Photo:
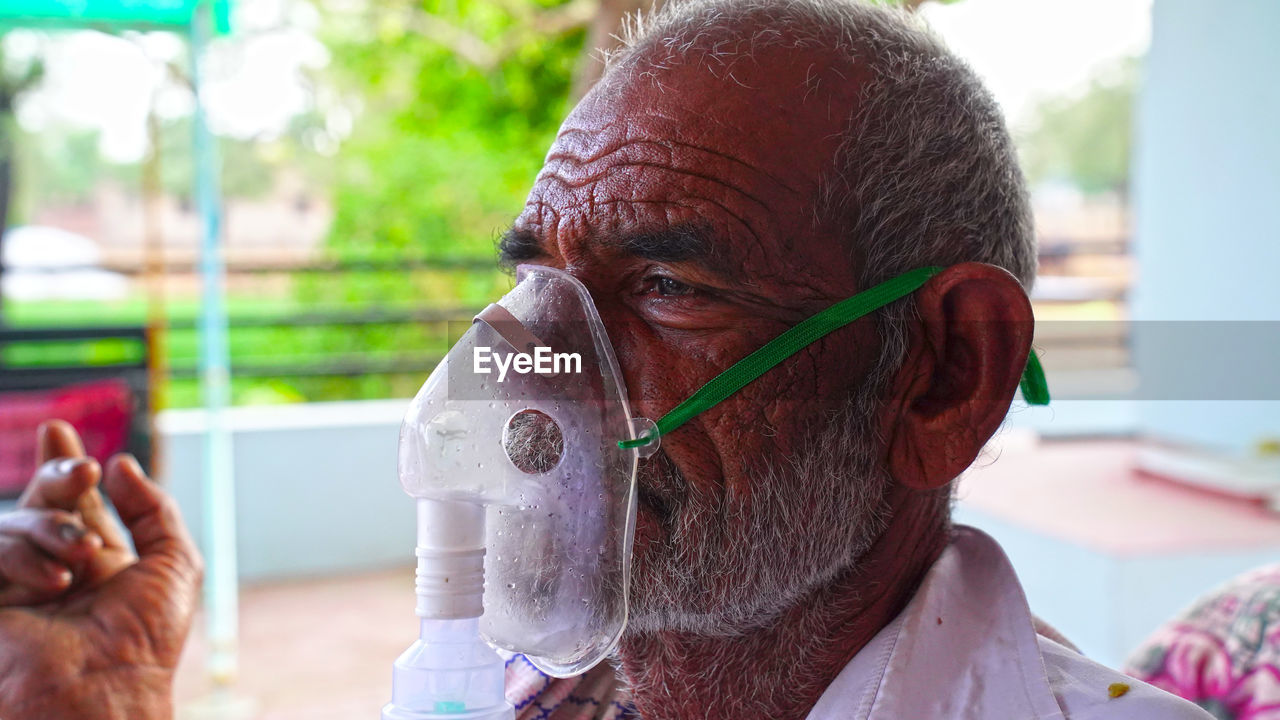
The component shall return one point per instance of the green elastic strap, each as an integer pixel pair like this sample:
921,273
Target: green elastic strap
1034,389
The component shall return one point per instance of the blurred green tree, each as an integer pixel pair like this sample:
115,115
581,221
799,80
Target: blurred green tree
454,104
1086,139
59,166
63,165
443,110
247,172
16,78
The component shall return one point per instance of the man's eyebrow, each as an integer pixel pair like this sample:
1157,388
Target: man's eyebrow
677,244
682,243
516,246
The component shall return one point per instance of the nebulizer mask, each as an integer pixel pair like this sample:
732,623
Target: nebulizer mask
521,453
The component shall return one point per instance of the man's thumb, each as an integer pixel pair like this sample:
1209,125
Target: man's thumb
149,513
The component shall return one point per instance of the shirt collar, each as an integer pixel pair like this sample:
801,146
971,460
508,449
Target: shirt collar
965,646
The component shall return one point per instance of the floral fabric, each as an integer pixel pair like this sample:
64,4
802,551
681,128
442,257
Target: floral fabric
1224,653
595,695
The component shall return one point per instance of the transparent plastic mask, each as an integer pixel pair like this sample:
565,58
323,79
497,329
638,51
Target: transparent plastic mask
540,452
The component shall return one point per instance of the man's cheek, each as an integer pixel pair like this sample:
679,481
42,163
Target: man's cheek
795,400
760,421
648,537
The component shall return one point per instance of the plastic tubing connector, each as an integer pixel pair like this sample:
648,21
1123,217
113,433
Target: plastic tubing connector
449,673
450,577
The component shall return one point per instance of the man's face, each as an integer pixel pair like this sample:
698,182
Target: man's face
683,198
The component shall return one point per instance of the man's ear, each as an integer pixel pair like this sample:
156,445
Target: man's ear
965,357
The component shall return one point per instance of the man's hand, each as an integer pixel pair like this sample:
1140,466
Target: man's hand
61,538
92,630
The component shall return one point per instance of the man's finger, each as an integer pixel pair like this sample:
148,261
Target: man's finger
151,517
67,480
58,439
64,472
23,564
60,483
61,535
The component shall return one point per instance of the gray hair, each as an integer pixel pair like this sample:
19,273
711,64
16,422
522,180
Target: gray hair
926,173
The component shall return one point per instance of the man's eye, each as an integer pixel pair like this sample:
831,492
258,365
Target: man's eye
669,287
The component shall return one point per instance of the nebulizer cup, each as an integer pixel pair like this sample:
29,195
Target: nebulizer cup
526,501
449,672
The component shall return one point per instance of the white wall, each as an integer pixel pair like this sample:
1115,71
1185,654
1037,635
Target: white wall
1108,604
316,485
1207,218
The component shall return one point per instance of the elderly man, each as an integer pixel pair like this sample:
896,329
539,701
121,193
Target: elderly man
740,167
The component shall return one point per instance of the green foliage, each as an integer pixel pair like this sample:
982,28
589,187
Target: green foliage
64,166
1086,139
246,171
458,102
16,78
455,105
55,168
306,349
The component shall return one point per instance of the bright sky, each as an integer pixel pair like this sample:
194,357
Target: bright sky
1024,49
254,82
1031,49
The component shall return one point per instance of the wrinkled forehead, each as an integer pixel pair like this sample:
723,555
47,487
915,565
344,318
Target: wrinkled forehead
777,110
738,141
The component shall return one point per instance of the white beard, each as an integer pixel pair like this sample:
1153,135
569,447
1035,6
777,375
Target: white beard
722,571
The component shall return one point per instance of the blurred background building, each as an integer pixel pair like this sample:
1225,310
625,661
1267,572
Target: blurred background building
371,150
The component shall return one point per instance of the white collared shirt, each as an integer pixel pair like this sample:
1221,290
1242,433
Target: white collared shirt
965,647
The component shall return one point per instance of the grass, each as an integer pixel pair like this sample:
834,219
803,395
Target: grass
298,351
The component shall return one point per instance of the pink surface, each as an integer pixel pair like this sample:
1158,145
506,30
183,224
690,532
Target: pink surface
1087,492
100,411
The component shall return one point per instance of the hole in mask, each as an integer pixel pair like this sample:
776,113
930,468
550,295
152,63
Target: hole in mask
533,442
